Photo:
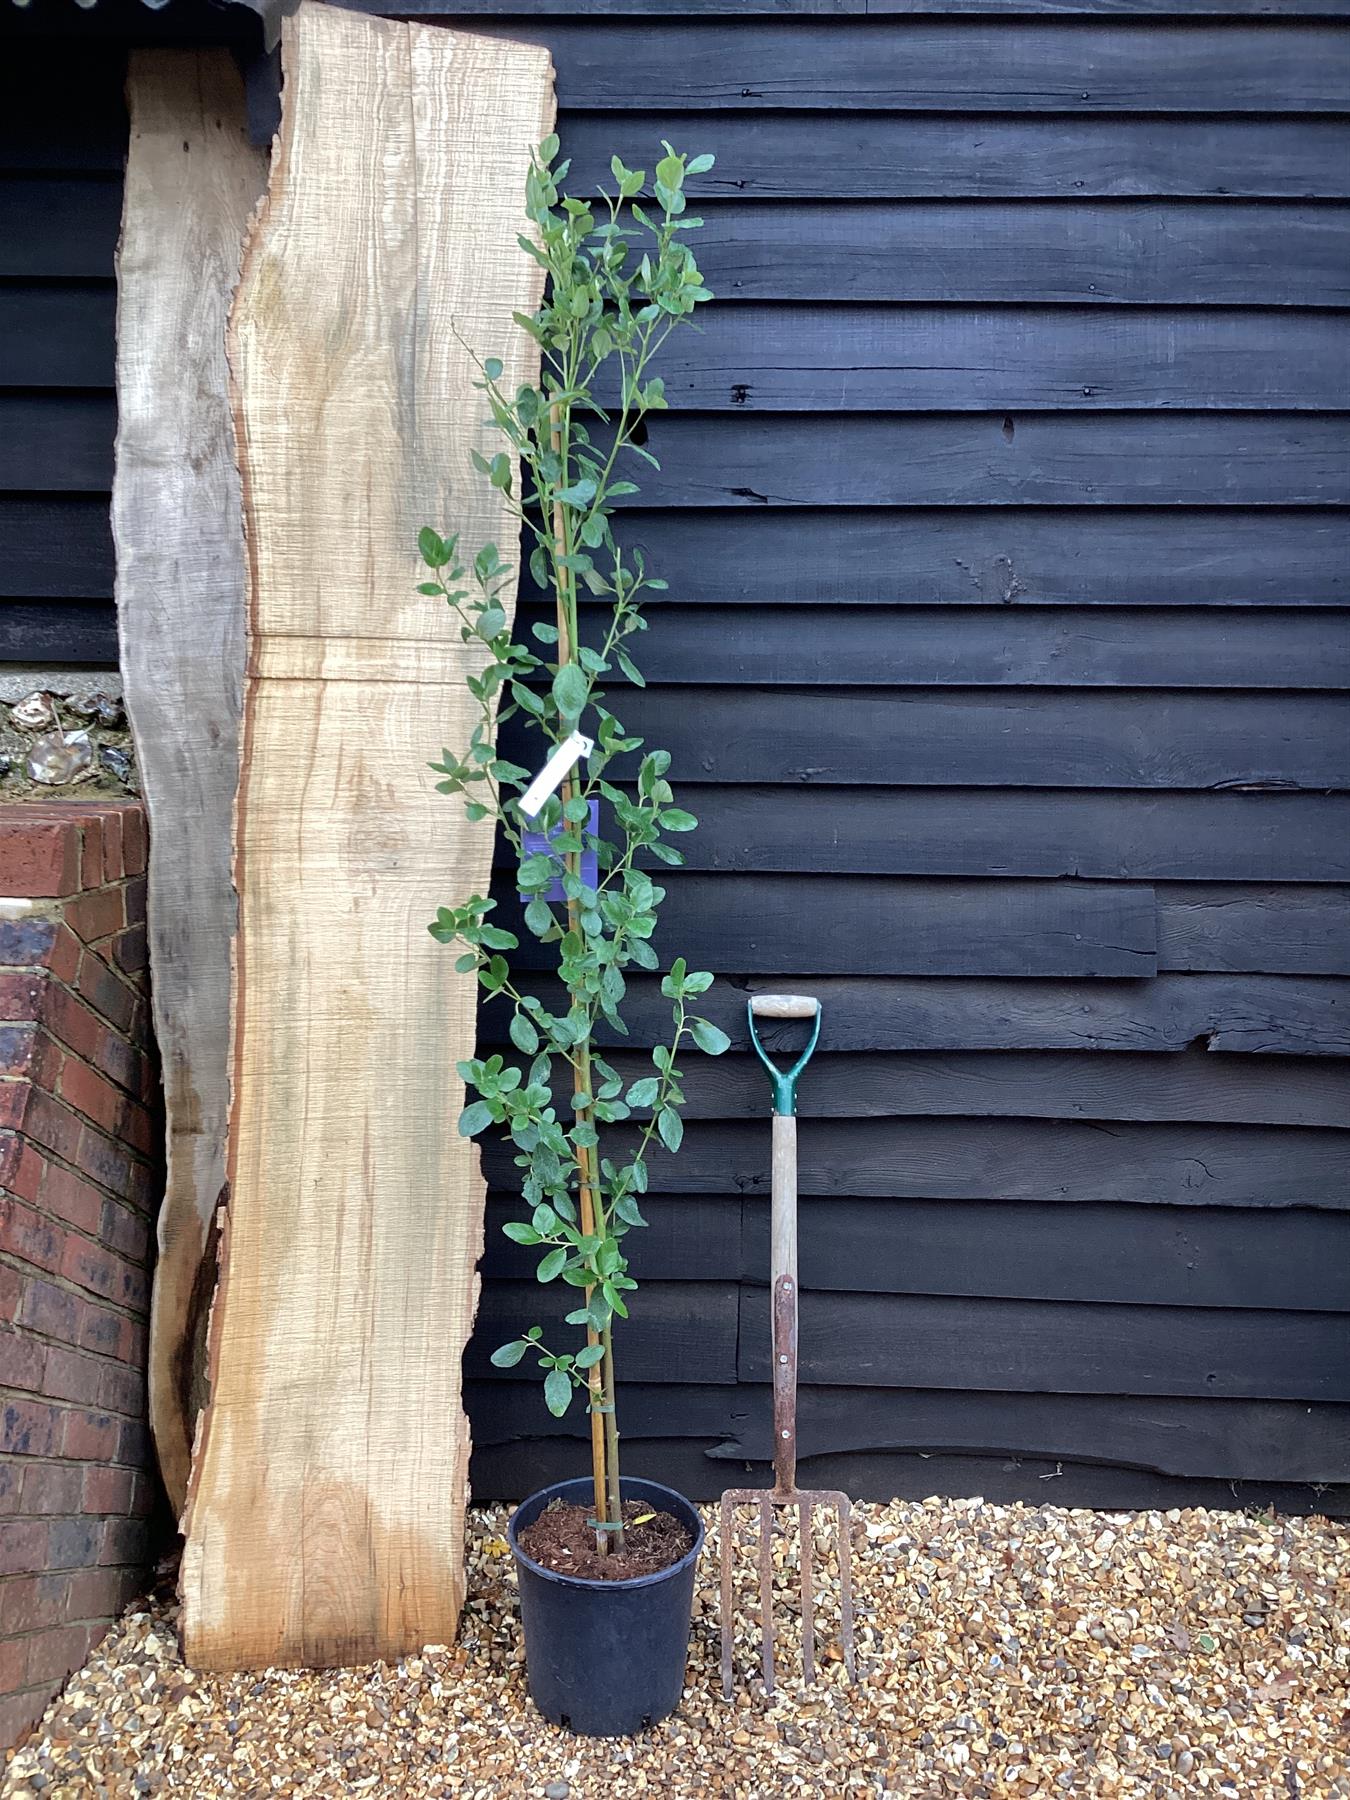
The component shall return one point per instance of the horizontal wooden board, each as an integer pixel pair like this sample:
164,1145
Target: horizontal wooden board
57,548
1238,254
755,358
690,1326
1272,1015
869,358
76,631
1026,1159
926,66
996,459
998,556
921,737
697,9
1286,930
59,225
1068,252
1224,1440
958,928
1295,1261
987,647
1016,1346
57,441
875,156
1201,1085
62,111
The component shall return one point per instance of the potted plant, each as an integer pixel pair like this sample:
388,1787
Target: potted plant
605,1563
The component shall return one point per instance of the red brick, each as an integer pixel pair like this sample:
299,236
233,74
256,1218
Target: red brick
22,1360
148,1494
70,1197
125,1231
16,1095
48,1060
21,1168
97,1270
112,845
38,859
97,915
78,1027
87,1091
52,1487
28,1602
133,900
13,1664
106,991
26,943
130,950
52,1310
125,1541
89,1436
108,1490
77,1543
109,1163
96,1593
17,1045
21,995
53,1654
133,1443
23,1546
29,1428
11,1471
105,1331
72,1376
26,1234
11,1292
129,1068
122,1389
19,1713
91,864
134,836
53,1125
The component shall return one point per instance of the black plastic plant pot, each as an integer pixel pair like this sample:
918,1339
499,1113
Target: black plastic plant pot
606,1658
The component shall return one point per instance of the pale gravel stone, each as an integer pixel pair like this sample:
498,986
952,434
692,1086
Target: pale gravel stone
1006,1653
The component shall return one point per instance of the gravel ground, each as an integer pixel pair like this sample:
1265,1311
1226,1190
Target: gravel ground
1005,1651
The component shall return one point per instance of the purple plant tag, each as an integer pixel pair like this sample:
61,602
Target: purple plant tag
536,843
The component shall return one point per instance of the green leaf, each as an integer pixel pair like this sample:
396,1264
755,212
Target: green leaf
523,1034
672,819
492,368
551,1266
519,1232
580,493
538,916
699,165
587,1358
436,553
557,1392
642,1093
570,688
506,1356
671,1127
709,1038
630,668
474,1119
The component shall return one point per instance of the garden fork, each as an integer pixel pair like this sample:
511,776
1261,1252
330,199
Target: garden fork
783,1312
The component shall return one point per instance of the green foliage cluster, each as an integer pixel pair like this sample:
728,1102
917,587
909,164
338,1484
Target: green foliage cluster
621,276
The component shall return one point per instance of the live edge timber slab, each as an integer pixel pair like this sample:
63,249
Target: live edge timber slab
325,1514
192,180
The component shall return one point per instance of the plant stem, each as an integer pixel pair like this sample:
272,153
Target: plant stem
602,1422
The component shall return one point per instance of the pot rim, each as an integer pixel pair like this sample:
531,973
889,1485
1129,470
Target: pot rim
588,1582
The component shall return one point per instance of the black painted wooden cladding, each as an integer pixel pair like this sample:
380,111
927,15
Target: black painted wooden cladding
1005,658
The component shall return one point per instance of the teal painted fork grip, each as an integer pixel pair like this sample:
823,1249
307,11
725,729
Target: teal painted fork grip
784,1080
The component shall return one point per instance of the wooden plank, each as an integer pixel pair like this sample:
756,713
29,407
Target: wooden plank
926,927
1018,65
192,181
1284,930
988,647
57,442
57,548
1256,1440
503,1411
880,156
964,556
983,738
688,1238
1019,1346
1237,1090
325,1518
57,334
686,1325
697,9
1253,1014
62,110
1171,253
997,459
753,358
75,631
59,225
1023,1159
1294,1261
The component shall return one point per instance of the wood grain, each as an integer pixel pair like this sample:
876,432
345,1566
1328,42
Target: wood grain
192,180
325,1525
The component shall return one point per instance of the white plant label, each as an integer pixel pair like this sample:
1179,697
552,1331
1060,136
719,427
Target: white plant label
554,772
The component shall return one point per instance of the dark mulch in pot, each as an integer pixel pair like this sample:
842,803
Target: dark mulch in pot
561,1539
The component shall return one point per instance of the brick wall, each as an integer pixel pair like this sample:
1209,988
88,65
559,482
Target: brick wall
78,1148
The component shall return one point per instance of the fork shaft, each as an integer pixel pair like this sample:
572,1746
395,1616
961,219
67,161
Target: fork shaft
783,1273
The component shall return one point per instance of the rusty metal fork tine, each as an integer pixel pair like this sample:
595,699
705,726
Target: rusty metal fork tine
846,1585
727,1545
808,1599
766,1588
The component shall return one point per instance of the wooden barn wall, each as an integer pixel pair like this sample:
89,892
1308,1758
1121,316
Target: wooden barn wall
1004,661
